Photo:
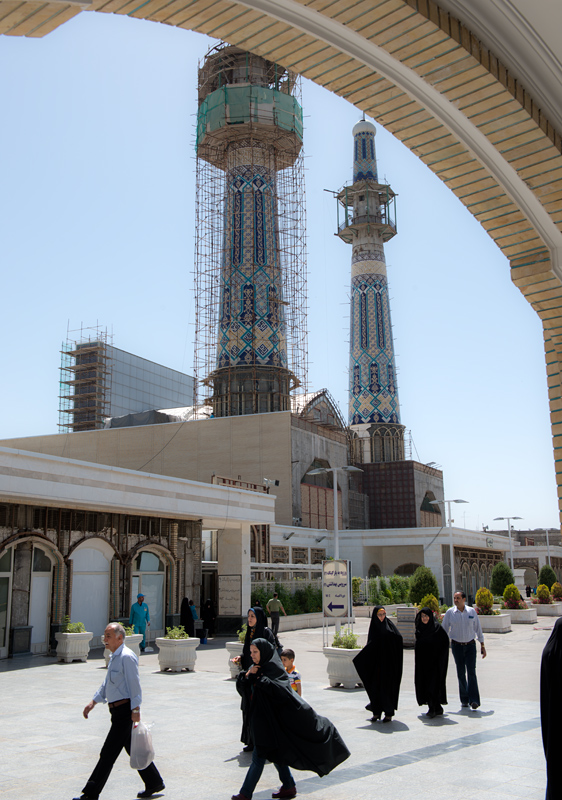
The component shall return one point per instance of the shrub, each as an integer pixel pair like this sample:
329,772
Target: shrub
346,640
355,589
512,598
484,600
72,627
400,588
430,601
129,631
556,590
543,593
423,582
242,633
502,576
177,632
547,576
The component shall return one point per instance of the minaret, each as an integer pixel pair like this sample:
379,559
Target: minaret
249,127
369,222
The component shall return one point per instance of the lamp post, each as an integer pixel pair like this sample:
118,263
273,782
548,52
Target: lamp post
496,519
450,526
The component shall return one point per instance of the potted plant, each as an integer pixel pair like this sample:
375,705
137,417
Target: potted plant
177,650
491,621
132,640
73,641
517,607
341,669
547,605
235,651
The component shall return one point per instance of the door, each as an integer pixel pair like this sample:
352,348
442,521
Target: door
5,595
149,579
40,601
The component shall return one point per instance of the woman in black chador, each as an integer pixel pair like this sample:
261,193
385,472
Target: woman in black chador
186,617
257,629
431,662
208,615
284,728
551,711
379,665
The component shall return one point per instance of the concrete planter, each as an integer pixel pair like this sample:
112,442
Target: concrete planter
341,669
133,643
73,646
548,609
523,616
500,623
234,649
406,624
177,654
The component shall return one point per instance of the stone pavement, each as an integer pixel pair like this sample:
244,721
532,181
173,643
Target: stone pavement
48,750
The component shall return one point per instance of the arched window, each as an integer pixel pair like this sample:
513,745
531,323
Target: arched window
374,571
405,570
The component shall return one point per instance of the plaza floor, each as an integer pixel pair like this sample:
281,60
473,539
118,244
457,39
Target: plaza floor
47,749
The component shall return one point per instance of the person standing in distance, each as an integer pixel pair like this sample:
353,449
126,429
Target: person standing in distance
273,607
462,626
122,691
140,618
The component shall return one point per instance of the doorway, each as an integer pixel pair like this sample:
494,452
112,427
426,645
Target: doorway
148,578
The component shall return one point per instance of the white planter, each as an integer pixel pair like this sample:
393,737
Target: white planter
522,616
177,654
133,643
73,646
548,609
234,649
341,669
500,623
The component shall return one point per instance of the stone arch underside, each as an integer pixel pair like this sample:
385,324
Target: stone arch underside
419,72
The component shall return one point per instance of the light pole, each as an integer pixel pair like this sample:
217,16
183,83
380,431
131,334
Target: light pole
496,519
450,526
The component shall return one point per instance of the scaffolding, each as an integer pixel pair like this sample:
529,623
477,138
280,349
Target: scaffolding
85,380
249,114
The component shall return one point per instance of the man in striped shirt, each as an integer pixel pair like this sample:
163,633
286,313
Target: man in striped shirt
462,626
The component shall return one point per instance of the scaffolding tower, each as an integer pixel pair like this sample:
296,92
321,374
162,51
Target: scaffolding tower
250,260
85,380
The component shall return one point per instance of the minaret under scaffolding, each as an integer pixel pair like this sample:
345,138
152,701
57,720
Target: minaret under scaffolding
369,221
250,288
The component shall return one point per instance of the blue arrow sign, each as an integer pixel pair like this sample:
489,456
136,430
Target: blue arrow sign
332,607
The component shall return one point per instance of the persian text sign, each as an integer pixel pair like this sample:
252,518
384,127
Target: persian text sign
230,595
335,588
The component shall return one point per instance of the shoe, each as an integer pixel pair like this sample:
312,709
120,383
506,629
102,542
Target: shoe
387,718
150,792
290,792
439,712
464,705
248,748
431,714
239,796
474,706
84,797
375,717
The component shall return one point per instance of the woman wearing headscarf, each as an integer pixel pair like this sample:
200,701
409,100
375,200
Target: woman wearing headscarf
551,709
284,728
379,665
186,617
208,616
257,629
431,662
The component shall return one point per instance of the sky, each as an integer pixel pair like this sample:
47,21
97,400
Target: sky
97,225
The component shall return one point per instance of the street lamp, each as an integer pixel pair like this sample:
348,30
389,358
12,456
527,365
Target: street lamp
496,519
333,470
449,525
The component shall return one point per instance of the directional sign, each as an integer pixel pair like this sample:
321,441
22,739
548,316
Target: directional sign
335,588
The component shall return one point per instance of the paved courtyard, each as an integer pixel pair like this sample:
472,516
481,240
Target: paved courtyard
48,749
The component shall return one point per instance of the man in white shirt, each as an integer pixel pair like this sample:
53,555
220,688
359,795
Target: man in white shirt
462,626
121,689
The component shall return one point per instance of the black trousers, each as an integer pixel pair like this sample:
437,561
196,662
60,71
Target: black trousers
119,737
274,622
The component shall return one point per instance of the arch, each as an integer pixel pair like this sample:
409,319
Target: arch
374,571
90,563
96,543
156,579
405,570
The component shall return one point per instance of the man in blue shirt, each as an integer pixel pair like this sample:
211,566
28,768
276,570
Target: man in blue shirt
462,626
140,618
122,691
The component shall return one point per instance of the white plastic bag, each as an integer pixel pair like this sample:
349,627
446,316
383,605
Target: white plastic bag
142,751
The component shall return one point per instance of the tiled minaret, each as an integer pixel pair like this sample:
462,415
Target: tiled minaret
368,222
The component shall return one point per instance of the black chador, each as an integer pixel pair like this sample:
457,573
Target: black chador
431,662
551,711
379,665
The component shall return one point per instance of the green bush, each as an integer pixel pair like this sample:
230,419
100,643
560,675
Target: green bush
385,591
543,593
484,600
306,599
346,640
502,576
556,590
400,588
356,589
512,597
547,576
242,633
430,601
423,582
177,632
72,627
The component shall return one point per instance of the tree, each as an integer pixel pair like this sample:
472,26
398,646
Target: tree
502,576
547,576
423,582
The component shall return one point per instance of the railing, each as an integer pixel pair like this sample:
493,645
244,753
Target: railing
364,219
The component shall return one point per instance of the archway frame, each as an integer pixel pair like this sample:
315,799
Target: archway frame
422,74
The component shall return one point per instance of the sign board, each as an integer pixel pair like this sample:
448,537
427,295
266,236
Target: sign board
335,588
489,541
230,595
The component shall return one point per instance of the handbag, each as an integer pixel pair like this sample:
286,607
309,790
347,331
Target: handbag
142,751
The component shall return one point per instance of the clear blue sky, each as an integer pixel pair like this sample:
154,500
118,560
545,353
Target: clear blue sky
97,226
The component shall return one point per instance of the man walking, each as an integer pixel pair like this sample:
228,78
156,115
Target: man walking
140,618
462,626
122,691
273,607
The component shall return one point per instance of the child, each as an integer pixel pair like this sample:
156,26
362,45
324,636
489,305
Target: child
288,659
